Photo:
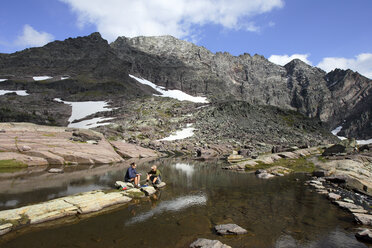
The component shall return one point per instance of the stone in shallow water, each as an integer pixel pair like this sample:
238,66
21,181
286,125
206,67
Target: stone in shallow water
228,229
207,243
351,207
148,190
364,235
334,197
365,219
5,228
265,175
120,184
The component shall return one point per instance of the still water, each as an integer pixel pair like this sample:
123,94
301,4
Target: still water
280,212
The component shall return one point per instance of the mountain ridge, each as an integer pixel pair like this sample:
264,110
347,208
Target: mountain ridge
176,64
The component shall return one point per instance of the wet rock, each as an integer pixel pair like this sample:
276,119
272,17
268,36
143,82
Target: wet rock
334,197
364,235
121,184
55,170
337,178
259,171
234,158
265,175
134,193
350,207
230,229
160,185
148,190
207,243
5,228
364,219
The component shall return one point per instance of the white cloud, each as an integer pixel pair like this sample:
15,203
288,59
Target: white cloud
130,18
32,37
284,59
362,63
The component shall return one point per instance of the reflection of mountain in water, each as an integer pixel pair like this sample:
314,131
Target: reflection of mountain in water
175,205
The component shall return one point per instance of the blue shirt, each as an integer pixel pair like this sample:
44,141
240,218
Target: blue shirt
131,173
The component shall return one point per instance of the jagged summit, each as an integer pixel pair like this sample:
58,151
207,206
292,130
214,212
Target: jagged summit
182,65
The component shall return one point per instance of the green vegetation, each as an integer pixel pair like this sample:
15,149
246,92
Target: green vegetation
322,159
11,163
49,135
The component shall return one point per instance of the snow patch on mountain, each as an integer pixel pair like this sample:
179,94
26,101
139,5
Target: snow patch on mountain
18,92
176,94
83,109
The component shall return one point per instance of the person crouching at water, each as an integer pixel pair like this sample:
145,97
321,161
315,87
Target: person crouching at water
132,175
154,175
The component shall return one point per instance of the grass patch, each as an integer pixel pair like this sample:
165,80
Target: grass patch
323,159
12,163
49,135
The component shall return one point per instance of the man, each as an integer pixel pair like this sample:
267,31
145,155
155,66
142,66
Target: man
154,175
132,176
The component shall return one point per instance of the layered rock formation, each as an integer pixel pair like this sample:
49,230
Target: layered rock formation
99,70
178,64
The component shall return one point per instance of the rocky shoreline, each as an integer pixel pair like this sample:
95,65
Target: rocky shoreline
342,172
75,205
26,144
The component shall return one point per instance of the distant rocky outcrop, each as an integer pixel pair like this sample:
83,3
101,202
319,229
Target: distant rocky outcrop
178,64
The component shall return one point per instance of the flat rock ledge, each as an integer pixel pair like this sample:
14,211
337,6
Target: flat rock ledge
230,229
35,145
82,203
364,235
208,243
239,163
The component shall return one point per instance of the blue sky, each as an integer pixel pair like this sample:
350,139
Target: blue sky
328,34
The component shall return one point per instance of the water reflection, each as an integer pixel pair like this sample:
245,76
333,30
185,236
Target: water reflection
175,205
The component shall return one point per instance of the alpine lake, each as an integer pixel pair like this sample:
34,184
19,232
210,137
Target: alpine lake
279,212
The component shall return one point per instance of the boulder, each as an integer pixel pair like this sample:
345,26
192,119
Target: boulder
364,235
364,219
5,228
207,243
351,207
334,197
333,150
148,190
134,193
234,158
230,229
160,185
25,148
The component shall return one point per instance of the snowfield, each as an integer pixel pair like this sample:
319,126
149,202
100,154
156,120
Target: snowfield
84,109
40,78
181,134
176,94
3,79
359,142
18,92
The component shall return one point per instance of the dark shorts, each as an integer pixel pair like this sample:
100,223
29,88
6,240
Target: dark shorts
157,181
128,180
